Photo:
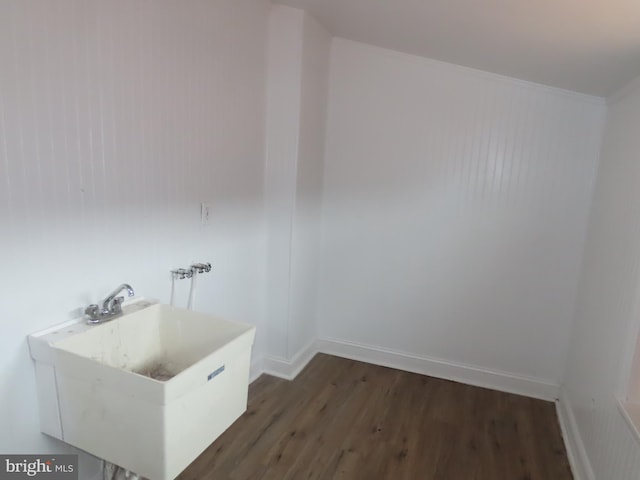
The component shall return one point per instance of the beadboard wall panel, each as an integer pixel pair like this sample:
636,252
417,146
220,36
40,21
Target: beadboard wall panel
305,257
117,119
297,98
286,29
455,208
607,314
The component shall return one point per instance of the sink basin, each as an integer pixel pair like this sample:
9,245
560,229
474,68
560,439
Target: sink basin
148,391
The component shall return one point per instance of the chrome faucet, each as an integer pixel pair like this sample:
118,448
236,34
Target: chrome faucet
111,306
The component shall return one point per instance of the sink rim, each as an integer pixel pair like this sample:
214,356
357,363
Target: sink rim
45,347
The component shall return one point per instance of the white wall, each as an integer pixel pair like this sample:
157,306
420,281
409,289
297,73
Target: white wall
283,127
316,46
455,207
117,119
607,315
297,98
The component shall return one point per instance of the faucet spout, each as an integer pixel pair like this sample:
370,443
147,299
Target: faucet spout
113,301
111,306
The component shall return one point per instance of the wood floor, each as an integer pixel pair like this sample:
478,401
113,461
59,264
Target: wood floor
342,419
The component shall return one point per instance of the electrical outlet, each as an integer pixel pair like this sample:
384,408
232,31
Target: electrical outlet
205,213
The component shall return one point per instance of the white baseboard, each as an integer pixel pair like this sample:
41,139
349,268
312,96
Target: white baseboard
505,382
578,458
289,369
434,367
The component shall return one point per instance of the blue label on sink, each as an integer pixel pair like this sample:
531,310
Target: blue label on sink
215,373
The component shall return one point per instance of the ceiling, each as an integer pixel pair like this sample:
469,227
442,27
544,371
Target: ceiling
588,46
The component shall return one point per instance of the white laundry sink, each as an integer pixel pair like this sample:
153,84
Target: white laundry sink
148,391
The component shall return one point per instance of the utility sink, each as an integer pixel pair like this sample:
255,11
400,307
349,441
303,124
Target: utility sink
149,390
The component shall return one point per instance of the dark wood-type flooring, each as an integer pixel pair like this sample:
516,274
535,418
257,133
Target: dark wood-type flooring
342,419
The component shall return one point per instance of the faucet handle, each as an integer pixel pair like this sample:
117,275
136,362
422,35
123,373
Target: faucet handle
181,273
114,307
92,312
201,268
